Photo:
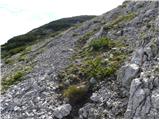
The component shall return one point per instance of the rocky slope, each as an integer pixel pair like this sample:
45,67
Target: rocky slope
106,67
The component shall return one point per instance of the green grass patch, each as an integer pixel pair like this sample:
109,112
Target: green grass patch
93,62
9,61
23,58
14,78
120,19
101,44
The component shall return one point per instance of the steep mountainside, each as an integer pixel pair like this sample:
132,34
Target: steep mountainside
106,67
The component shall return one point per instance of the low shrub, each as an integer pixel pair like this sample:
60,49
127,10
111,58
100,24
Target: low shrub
9,61
12,79
75,93
100,44
95,68
22,58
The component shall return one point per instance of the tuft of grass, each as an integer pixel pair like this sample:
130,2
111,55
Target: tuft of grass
75,93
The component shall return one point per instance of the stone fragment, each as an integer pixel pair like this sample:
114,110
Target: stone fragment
62,111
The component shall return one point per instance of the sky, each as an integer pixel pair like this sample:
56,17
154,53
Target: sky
21,16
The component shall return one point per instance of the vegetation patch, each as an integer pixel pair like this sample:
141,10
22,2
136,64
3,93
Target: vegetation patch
14,78
100,44
120,19
9,61
23,58
75,93
82,40
99,60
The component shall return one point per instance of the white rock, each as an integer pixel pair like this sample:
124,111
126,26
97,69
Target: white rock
62,111
16,108
95,97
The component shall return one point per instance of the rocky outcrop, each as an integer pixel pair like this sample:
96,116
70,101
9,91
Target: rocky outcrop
127,73
137,80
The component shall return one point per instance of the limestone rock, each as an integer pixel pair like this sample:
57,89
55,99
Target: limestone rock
127,73
143,99
62,111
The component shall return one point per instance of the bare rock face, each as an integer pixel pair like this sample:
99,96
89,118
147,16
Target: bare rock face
143,100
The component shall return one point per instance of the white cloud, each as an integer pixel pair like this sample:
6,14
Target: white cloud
21,16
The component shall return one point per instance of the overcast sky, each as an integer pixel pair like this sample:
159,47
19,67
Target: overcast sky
21,16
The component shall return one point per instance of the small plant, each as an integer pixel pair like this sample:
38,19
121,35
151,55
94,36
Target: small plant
100,44
95,68
9,61
22,58
18,75
75,93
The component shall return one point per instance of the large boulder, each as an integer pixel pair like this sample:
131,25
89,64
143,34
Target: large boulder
127,73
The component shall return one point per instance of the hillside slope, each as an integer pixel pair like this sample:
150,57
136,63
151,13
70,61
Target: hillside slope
19,43
107,67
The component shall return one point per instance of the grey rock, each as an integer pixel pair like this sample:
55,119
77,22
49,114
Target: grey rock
142,101
93,80
127,73
62,111
138,56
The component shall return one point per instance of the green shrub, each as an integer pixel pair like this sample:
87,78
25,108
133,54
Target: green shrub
22,58
75,93
9,61
100,44
18,75
95,68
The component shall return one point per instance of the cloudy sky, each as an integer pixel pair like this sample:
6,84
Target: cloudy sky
21,16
